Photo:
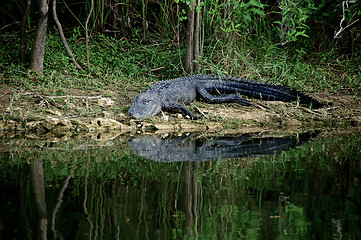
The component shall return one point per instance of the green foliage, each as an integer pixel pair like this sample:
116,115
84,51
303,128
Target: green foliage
233,16
114,63
294,16
241,38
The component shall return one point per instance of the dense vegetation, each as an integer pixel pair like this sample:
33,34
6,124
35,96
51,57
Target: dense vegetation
305,44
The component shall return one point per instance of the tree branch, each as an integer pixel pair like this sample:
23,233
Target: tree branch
339,32
87,34
61,32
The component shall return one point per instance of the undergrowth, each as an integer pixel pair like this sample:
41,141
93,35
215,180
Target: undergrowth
128,65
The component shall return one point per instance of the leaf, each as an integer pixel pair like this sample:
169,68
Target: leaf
255,3
247,18
257,11
238,25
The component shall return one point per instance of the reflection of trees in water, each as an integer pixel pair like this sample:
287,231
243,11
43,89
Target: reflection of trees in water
192,192
37,182
36,172
219,199
165,209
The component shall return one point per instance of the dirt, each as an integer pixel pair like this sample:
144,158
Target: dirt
75,111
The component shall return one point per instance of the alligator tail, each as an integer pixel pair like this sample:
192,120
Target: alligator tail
264,91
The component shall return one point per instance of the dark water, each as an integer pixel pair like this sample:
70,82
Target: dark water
250,186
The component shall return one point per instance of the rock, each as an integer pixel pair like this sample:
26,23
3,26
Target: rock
105,114
97,124
212,126
56,112
164,127
292,122
59,125
190,126
8,125
56,123
105,102
356,121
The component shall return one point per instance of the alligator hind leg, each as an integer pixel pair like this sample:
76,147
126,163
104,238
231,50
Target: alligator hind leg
225,98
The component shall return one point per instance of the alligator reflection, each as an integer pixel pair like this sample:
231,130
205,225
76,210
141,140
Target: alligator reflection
193,148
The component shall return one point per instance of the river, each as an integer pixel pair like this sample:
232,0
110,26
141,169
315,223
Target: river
268,185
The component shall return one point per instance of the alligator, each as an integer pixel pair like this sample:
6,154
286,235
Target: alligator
174,94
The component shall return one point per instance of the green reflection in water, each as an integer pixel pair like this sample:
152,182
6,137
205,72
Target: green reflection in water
107,192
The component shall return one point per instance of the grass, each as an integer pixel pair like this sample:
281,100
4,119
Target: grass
268,62
130,66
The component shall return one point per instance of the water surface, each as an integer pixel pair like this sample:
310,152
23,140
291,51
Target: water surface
304,186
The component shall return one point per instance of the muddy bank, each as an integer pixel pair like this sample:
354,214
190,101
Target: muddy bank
77,111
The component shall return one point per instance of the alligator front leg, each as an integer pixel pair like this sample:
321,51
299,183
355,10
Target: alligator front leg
225,98
175,106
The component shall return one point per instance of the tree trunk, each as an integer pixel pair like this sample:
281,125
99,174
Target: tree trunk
193,37
38,51
115,8
144,16
197,29
23,34
190,37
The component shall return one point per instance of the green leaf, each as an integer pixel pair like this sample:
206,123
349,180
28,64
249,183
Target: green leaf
257,11
255,3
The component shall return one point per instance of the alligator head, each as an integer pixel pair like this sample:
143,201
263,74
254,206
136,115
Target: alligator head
144,105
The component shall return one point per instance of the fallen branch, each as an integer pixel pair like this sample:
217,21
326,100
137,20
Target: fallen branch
312,111
200,111
325,109
69,96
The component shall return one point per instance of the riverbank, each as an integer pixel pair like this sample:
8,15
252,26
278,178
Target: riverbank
76,111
